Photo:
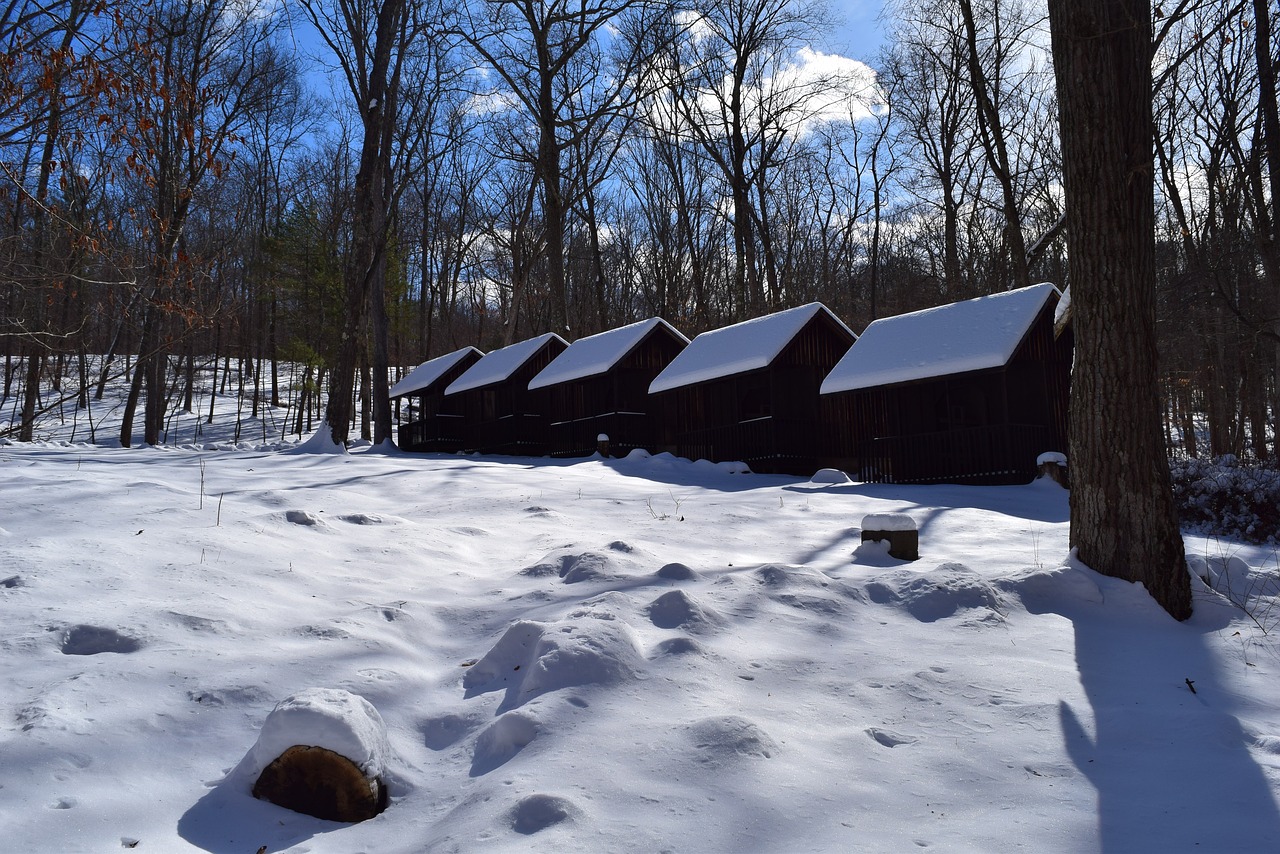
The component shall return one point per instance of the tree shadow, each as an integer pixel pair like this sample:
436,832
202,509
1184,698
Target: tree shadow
1171,766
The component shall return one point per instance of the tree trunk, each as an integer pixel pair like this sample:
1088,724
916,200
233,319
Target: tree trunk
31,396
1123,521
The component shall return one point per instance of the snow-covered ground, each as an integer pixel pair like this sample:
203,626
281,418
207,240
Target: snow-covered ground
609,655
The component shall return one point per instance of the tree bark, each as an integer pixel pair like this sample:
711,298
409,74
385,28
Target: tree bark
1123,521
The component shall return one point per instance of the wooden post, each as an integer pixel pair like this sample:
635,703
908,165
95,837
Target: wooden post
1053,465
900,531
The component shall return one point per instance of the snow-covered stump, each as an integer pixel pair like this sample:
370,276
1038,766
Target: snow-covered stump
898,529
322,752
602,444
1053,465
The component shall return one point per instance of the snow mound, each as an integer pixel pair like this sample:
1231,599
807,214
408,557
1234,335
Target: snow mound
1052,457
538,812
678,646
305,519
1233,577
936,595
676,572
778,576
677,610
501,741
320,442
1052,590
573,567
875,553
531,659
728,738
829,476
331,718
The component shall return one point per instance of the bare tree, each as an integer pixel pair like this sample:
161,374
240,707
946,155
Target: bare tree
370,40
570,68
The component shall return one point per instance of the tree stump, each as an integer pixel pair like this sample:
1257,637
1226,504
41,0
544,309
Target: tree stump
1053,465
898,529
316,781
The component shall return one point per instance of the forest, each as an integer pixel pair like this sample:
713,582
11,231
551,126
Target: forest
308,198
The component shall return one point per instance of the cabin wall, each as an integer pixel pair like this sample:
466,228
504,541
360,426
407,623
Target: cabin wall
506,417
768,418
437,424
616,403
978,427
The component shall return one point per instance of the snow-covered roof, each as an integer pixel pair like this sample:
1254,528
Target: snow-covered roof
428,372
951,339
596,354
499,365
736,349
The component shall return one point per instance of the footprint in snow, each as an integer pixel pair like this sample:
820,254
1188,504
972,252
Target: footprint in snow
887,738
94,640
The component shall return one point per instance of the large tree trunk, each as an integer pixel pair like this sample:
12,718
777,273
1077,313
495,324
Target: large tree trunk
1123,521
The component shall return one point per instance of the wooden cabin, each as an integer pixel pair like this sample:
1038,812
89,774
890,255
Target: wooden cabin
432,423
970,392
600,385
749,391
499,413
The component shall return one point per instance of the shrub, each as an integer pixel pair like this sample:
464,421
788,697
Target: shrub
1225,498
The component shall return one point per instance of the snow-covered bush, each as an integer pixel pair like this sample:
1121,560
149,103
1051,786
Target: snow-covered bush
1227,498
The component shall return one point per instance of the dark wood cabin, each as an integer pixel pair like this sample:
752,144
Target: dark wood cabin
500,415
600,385
430,422
749,391
971,392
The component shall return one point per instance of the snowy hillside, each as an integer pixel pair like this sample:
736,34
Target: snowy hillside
609,655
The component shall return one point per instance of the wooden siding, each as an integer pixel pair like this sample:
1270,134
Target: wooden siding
977,427
616,403
436,425
505,417
767,418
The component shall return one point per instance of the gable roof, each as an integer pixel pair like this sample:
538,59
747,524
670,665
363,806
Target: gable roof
951,339
429,372
741,347
597,354
499,365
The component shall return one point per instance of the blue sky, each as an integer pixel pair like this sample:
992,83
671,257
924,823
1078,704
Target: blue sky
859,34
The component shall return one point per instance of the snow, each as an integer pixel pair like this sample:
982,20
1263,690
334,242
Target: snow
951,339
745,346
1052,457
428,372
597,354
829,476
888,522
499,365
331,718
706,661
